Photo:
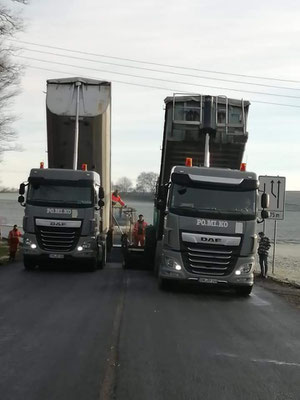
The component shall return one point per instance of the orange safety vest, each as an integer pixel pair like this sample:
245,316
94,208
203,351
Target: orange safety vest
139,228
13,239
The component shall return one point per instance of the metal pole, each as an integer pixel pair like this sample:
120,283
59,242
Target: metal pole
274,246
206,152
114,218
75,155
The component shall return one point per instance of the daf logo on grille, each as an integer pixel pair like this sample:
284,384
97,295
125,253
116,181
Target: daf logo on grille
210,239
57,223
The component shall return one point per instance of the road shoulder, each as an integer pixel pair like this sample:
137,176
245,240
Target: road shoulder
287,290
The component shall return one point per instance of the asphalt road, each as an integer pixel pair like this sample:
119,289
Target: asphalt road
113,335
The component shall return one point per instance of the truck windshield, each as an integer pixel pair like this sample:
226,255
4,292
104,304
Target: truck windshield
64,194
199,201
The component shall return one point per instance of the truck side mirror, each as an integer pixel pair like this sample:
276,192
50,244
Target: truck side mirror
21,199
160,204
22,189
264,214
265,200
101,203
101,193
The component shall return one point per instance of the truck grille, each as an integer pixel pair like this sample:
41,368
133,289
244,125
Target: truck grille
210,259
57,239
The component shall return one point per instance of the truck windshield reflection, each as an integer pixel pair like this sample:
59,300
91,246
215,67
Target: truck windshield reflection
201,201
44,194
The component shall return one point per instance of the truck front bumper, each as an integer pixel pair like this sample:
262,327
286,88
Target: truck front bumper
172,267
31,249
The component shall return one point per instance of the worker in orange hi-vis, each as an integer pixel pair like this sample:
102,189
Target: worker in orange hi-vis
139,231
116,198
13,242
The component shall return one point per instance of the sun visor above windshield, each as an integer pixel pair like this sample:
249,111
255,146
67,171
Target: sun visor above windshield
214,182
216,179
36,181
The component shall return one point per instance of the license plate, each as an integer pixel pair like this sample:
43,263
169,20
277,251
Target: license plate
56,256
208,280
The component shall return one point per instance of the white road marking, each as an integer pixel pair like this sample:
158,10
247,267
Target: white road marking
261,360
292,364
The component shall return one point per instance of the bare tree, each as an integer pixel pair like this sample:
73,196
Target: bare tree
124,184
146,182
10,24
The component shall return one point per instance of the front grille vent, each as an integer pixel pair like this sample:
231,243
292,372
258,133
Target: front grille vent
57,239
210,260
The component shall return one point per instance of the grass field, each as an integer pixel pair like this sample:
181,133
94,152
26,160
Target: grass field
3,248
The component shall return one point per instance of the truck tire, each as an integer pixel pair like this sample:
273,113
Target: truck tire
92,265
126,261
101,262
125,252
109,240
29,265
157,257
164,284
150,246
244,291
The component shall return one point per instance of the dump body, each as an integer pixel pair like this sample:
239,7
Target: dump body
189,118
94,144
205,217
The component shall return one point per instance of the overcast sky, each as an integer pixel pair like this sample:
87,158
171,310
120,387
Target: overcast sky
258,38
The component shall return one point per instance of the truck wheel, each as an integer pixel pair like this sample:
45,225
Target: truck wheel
92,265
109,241
164,284
28,264
150,246
157,257
244,290
125,262
101,262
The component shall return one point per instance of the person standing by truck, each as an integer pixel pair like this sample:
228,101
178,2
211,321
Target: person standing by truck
139,231
13,242
263,253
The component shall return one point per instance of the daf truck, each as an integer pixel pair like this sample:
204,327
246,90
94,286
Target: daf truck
205,214
67,205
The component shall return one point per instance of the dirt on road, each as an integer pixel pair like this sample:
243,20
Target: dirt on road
289,291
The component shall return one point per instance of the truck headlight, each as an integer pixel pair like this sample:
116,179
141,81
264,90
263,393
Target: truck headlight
172,263
30,244
84,246
244,269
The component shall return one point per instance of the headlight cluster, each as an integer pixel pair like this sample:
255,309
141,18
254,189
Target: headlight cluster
172,263
29,243
244,269
84,246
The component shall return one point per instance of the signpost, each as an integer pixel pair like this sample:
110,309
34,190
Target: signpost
274,186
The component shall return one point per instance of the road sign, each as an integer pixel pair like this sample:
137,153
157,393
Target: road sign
275,187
